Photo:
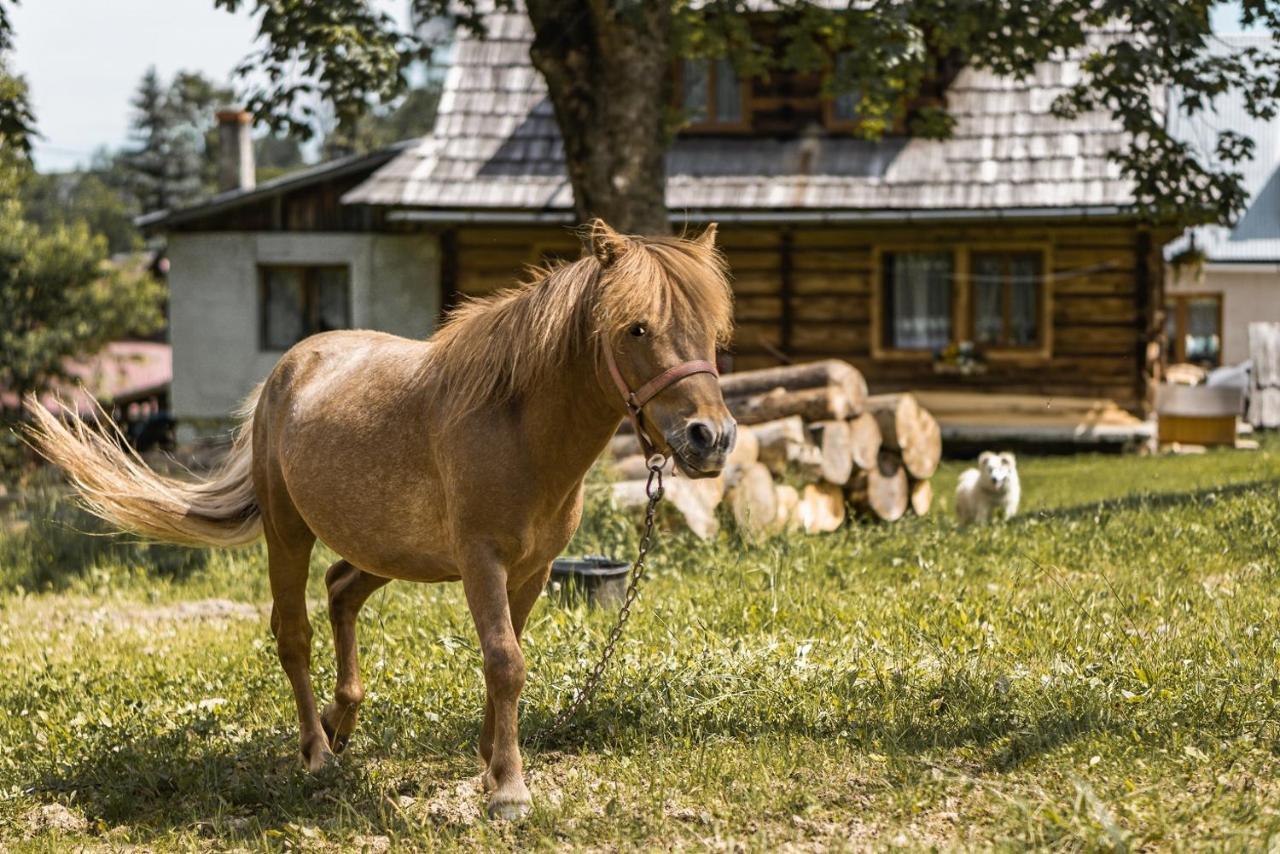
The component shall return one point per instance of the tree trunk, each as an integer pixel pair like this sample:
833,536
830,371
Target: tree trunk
793,377
835,441
745,453
865,434
921,496
821,508
692,501
908,428
882,492
607,71
823,403
754,502
775,437
788,498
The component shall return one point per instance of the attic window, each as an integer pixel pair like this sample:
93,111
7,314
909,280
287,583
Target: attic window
711,95
842,110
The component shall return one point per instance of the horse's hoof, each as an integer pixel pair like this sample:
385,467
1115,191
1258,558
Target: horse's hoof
318,760
337,740
509,810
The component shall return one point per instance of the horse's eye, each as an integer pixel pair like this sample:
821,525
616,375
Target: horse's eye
639,330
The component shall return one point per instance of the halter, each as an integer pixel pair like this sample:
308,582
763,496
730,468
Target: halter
635,400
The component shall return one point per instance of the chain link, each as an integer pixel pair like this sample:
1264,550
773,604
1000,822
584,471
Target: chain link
654,494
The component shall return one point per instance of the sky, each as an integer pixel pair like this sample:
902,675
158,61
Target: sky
84,58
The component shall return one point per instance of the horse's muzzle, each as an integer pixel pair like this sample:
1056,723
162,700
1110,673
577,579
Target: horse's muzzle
705,445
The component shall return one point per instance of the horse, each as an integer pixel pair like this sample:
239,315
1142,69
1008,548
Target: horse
461,457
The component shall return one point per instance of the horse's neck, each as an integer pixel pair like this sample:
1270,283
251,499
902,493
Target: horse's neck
569,422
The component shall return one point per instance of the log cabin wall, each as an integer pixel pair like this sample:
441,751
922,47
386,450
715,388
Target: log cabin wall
807,293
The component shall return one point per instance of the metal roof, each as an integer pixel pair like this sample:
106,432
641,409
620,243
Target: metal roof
1255,238
293,180
496,152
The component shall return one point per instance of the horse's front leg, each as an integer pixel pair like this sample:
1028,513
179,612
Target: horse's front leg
485,583
521,600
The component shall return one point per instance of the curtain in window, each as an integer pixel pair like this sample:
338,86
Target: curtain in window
1202,331
728,93
284,308
1023,325
845,106
988,299
920,307
696,89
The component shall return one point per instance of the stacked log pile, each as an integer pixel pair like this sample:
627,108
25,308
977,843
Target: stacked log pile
812,446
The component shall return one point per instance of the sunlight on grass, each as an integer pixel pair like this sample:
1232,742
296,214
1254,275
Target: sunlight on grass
1100,672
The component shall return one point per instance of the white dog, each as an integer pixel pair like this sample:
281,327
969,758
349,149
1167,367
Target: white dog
993,485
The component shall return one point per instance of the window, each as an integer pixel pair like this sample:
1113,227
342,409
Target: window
917,299
1006,298
1193,326
301,301
711,95
926,298
842,109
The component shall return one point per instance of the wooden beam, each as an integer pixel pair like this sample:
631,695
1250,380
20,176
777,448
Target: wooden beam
448,272
785,287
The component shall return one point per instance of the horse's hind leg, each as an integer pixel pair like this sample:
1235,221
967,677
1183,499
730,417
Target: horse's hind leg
289,543
349,587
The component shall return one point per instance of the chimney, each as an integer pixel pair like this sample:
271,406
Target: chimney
235,150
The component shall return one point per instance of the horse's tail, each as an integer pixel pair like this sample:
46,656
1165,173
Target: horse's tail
117,486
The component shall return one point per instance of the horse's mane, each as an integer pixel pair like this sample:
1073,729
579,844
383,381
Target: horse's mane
497,348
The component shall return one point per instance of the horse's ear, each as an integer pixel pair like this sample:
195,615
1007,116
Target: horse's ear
708,236
606,244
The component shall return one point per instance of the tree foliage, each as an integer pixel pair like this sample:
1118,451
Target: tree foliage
17,122
897,50
171,159
93,197
412,116
59,296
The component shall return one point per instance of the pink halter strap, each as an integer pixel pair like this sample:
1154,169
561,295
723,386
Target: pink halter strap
635,400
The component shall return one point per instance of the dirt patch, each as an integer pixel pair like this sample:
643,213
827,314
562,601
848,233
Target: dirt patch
53,818
201,609
456,804
49,612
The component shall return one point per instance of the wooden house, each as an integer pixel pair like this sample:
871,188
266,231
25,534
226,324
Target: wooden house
1006,258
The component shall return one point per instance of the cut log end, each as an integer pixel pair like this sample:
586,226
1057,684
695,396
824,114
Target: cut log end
883,492
921,496
753,501
821,508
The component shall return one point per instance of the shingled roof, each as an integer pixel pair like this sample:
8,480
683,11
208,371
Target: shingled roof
495,152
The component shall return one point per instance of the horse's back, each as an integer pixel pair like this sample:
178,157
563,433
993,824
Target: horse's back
344,426
349,360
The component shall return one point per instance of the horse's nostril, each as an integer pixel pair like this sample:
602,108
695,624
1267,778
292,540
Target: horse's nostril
701,437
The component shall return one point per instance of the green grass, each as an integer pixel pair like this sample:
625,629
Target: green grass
1102,672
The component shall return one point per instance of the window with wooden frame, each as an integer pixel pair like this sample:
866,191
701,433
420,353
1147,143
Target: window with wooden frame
1193,329
296,301
712,96
841,109
1006,293
926,298
917,299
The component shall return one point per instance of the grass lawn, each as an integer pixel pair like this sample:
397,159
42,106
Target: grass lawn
1101,672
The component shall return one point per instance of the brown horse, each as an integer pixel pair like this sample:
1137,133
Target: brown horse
461,457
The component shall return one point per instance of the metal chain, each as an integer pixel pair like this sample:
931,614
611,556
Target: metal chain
654,494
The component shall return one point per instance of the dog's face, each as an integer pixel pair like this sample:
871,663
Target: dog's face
997,470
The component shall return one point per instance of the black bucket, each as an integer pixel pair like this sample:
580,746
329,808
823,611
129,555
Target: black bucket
595,579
